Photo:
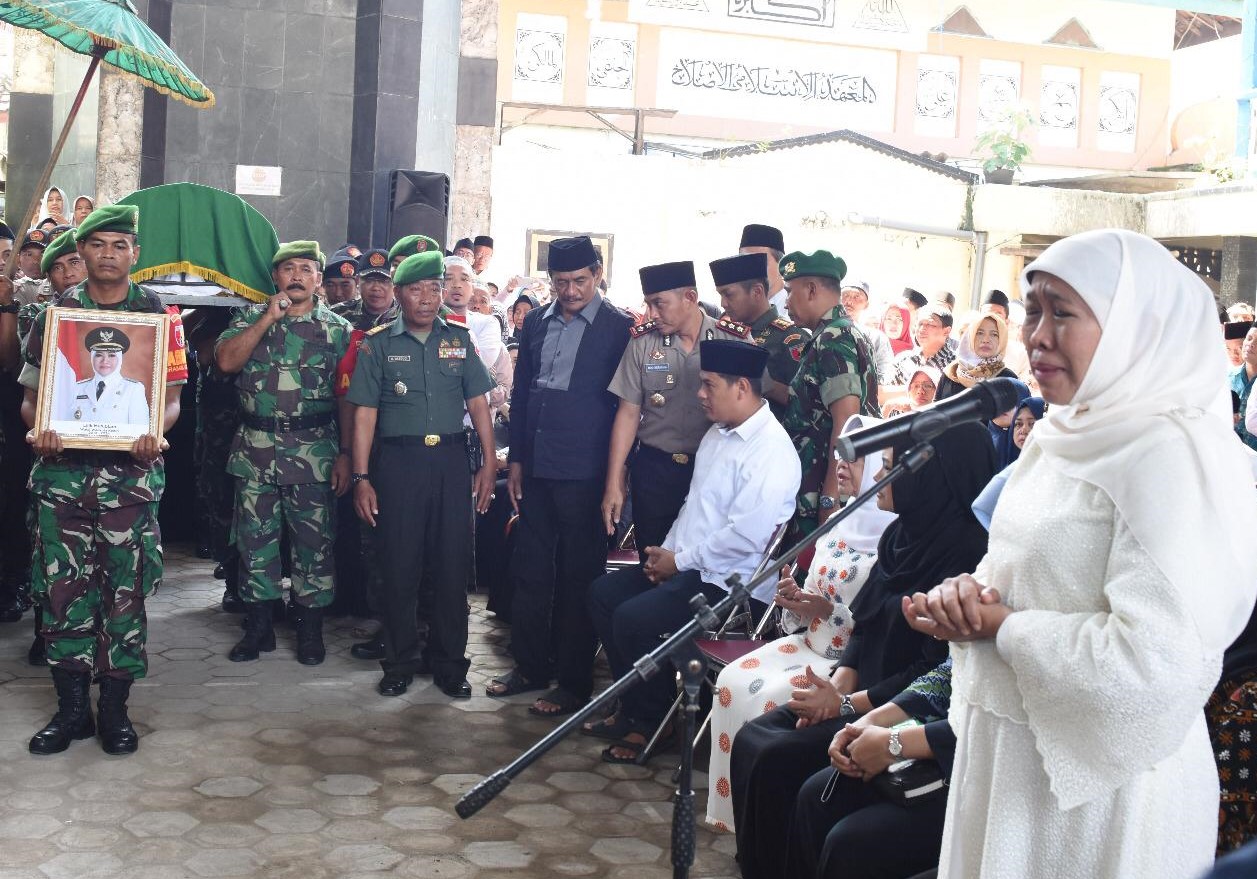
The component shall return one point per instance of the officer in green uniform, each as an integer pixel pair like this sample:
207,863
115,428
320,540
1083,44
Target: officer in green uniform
412,482
31,286
340,280
836,379
409,246
742,282
97,552
285,454
657,382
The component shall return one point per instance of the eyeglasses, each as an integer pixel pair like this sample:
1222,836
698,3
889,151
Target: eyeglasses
922,386
929,324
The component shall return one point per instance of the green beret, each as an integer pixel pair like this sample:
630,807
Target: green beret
298,250
61,245
106,339
427,266
821,264
110,218
412,244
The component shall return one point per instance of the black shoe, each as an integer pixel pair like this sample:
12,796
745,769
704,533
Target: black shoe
232,602
310,649
203,551
73,719
11,612
117,735
373,649
38,653
220,572
394,683
457,689
259,634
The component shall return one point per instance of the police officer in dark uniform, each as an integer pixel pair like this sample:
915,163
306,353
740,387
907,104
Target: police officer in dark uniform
742,282
340,279
657,383
412,382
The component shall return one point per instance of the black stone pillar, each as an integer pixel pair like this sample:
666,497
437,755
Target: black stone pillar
1239,270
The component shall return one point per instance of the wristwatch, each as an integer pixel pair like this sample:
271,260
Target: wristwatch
847,708
360,477
896,749
826,502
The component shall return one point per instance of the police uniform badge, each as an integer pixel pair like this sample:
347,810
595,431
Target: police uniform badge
346,270
377,260
657,399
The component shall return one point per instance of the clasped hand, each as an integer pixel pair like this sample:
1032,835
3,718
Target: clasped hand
861,750
958,609
803,604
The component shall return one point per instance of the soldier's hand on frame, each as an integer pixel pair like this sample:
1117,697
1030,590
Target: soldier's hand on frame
612,506
341,472
46,444
515,485
482,486
146,448
365,503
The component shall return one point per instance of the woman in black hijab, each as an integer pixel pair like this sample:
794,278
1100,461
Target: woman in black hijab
935,537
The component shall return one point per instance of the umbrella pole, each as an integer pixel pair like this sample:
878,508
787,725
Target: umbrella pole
29,219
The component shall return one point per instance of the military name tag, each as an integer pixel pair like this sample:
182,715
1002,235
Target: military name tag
400,388
656,367
399,358
656,399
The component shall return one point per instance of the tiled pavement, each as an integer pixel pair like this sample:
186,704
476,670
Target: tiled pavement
272,769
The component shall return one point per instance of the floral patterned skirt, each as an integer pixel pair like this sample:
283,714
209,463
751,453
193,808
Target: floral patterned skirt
1231,713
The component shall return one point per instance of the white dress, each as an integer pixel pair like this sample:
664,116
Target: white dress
764,678
1081,743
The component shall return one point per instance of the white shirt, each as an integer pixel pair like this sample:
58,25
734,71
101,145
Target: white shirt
744,485
121,401
778,300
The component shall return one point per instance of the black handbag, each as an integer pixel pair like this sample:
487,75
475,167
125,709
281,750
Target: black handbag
910,782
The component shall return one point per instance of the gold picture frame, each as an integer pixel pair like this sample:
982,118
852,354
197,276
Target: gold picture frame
538,244
105,410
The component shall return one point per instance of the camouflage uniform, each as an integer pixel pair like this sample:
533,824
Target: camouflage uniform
217,420
784,342
284,475
97,547
355,311
835,363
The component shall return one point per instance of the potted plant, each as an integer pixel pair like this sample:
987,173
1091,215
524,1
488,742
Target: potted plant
1003,148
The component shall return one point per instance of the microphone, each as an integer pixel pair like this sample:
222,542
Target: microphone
983,401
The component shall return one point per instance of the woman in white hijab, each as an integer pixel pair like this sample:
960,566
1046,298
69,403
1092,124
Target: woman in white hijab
53,205
819,612
1087,641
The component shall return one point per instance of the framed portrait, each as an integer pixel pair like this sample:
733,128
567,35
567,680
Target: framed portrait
103,380
536,260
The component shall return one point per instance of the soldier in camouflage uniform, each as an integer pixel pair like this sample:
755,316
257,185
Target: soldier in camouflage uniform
31,286
285,454
742,282
97,552
836,379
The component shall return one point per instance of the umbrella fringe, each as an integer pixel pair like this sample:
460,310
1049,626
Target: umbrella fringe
113,45
173,268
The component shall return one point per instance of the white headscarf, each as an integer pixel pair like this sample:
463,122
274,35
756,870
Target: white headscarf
1150,424
862,530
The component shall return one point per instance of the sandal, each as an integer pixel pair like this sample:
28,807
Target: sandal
635,750
613,728
566,702
511,684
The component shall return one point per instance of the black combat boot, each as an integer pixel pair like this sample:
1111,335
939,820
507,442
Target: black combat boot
259,634
73,719
11,608
38,654
310,650
117,735
232,602
373,649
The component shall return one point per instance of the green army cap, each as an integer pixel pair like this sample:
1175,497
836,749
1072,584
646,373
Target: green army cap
61,245
412,244
110,218
299,250
821,264
426,266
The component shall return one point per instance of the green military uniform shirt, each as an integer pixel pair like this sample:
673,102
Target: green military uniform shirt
94,479
291,373
835,363
656,374
419,387
784,342
355,311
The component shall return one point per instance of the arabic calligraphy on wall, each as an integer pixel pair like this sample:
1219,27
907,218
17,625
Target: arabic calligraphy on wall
772,81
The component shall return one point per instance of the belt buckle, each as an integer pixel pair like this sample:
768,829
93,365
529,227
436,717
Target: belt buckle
680,458
432,439
281,424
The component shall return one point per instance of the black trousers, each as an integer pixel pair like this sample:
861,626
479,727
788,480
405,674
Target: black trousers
769,763
493,557
659,486
560,548
858,834
424,527
351,575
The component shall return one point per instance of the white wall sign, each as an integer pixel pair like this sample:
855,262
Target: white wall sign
612,72
540,53
776,81
938,85
1060,93
1119,112
258,180
999,91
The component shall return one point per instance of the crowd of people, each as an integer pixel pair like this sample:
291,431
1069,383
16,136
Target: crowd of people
1015,664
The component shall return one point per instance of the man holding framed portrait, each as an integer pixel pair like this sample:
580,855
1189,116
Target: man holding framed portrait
97,547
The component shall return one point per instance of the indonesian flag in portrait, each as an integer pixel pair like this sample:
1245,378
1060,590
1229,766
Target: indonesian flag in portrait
63,389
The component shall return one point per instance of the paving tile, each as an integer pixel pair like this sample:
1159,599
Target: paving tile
232,786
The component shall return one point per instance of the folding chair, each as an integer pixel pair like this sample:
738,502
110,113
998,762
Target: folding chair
725,638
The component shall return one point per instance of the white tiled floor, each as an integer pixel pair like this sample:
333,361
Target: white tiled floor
273,769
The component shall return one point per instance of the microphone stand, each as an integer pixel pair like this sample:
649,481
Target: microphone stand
706,618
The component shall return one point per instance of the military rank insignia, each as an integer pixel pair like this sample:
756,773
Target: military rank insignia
733,327
642,329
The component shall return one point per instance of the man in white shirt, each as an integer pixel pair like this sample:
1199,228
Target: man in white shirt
486,332
746,475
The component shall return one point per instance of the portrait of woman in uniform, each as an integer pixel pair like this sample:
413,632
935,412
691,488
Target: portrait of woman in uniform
104,382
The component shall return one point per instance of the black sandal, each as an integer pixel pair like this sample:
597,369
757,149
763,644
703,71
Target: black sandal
561,697
635,749
511,684
612,728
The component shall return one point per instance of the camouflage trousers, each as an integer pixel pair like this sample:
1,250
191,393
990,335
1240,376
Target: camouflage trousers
91,571
216,426
308,510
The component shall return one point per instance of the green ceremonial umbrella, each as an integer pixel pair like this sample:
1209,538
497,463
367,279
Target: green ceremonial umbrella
109,31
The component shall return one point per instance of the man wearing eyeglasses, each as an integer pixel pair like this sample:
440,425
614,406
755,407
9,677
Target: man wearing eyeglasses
934,347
